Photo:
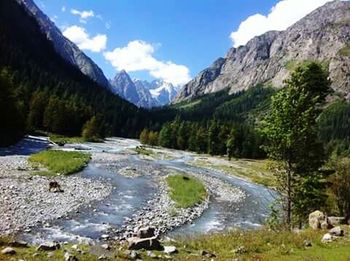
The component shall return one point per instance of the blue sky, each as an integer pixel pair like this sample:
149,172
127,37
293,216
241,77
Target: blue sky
167,39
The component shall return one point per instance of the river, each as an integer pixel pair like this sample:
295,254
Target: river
131,194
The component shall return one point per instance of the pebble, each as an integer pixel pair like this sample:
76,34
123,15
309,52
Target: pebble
8,251
26,200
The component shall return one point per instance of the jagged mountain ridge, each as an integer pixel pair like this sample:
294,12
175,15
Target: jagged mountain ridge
322,35
143,93
67,49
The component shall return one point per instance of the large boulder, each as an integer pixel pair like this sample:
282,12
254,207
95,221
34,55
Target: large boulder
316,218
48,246
152,243
146,232
8,251
335,221
337,231
327,238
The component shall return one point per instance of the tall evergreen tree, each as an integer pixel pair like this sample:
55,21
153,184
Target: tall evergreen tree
291,131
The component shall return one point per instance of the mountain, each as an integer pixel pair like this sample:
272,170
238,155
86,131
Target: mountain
162,92
143,93
134,93
323,35
67,49
50,93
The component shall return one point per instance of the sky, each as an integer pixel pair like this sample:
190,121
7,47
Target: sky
170,40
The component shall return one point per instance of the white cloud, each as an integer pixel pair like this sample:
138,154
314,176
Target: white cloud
138,56
282,15
63,9
84,15
80,37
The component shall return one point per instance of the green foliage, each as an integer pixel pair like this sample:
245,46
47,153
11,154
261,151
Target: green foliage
291,132
61,140
340,185
186,191
11,115
334,127
52,94
264,244
149,137
91,130
61,162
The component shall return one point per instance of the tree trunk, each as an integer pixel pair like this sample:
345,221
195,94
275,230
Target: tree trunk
289,196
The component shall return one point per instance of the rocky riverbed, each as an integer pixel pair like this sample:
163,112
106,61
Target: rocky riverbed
26,200
119,192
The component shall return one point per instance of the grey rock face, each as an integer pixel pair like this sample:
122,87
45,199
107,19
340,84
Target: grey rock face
129,90
67,49
321,35
143,93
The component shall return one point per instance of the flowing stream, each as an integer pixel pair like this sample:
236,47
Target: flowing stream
131,194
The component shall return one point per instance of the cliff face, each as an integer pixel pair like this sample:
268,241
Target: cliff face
323,35
67,49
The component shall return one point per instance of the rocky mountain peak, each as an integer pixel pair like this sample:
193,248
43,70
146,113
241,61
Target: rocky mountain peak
268,58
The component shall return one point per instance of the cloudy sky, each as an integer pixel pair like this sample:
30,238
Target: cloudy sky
170,40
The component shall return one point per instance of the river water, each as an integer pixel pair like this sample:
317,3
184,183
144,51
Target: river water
131,194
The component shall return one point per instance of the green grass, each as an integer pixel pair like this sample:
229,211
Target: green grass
143,151
265,245
61,140
255,170
60,162
345,51
186,191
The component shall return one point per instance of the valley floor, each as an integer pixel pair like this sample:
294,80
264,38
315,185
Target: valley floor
124,187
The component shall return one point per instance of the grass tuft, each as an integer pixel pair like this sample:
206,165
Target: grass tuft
60,162
186,191
61,140
264,244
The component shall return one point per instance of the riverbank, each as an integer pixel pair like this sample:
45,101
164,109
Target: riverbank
237,245
26,200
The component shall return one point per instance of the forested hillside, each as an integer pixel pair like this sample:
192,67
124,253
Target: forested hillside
221,124
49,93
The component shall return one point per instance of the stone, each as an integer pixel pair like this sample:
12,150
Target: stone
146,232
105,237
327,238
103,257
325,225
152,243
151,254
239,250
106,246
134,255
8,251
170,250
307,243
18,243
207,254
69,257
315,219
337,231
335,221
48,246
